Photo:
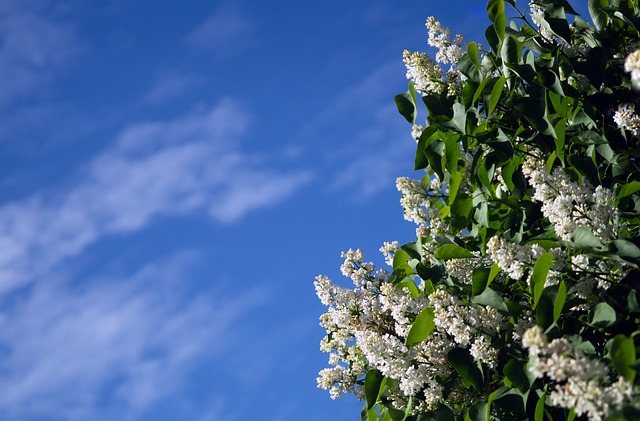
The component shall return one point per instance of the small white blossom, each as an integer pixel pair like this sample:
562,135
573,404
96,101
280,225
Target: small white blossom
632,64
424,72
626,118
416,131
389,250
449,51
581,383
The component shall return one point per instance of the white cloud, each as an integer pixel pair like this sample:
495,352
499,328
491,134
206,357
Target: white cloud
170,85
379,143
33,46
113,347
192,163
225,32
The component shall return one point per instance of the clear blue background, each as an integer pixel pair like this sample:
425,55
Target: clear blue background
173,177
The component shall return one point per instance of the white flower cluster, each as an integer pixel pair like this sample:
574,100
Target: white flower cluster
449,51
416,131
580,382
632,65
419,204
537,15
367,328
626,118
389,250
569,205
467,325
424,72
515,259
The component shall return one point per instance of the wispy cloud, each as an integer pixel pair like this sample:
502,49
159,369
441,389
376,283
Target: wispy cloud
226,31
192,163
114,347
379,142
169,85
34,45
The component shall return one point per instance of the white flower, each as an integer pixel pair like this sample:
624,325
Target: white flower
626,118
416,131
449,51
424,72
389,250
580,382
537,15
632,65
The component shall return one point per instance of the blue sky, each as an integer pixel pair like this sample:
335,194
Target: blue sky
174,175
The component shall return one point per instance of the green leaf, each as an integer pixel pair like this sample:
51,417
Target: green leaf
492,299
479,411
626,248
372,382
496,92
472,52
422,327
462,361
602,315
452,153
539,275
561,298
629,189
516,371
539,414
454,185
623,355
434,152
495,9
480,279
400,258
467,67
452,251
583,237
598,15
406,104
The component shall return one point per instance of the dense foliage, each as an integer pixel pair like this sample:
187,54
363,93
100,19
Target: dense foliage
520,297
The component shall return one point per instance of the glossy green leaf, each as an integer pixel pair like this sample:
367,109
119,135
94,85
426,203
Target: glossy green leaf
539,275
492,299
516,371
422,327
454,185
472,52
468,68
602,315
464,364
623,355
480,279
495,9
452,251
406,103
496,92
372,382
561,298
479,411
539,412
584,238
434,152
598,15
629,189
626,248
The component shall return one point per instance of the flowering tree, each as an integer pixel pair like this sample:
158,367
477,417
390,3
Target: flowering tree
520,296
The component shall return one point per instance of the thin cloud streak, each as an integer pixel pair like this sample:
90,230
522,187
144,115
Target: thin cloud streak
156,169
33,47
126,343
380,140
227,31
